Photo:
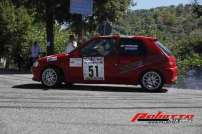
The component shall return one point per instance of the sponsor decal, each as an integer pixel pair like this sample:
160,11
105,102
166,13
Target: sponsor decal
75,62
138,64
161,117
131,47
51,58
130,66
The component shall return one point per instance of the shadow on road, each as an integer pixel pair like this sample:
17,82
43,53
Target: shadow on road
13,71
87,88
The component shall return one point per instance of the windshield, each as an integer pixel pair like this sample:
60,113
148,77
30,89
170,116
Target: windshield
163,48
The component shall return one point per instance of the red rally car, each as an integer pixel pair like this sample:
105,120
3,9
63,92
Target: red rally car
113,59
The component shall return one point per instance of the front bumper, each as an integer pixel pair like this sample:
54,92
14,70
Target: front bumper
36,74
35,79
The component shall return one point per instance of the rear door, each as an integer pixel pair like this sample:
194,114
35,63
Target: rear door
131,55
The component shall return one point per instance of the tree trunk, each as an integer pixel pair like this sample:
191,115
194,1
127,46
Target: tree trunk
79,31
50,27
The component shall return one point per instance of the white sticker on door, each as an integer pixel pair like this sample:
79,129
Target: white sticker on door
93,68
75,62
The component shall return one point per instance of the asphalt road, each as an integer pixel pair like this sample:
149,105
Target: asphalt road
26,108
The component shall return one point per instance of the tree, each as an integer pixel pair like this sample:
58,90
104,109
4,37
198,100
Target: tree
50,10
113,10
47,11
197,8
14,26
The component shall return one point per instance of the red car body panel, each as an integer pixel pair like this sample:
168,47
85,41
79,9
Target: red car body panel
118,69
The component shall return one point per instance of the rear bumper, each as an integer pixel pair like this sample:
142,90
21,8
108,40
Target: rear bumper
170,75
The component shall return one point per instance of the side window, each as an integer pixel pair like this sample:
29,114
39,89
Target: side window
100,47
132,47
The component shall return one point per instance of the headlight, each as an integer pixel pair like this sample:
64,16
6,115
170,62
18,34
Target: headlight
36,63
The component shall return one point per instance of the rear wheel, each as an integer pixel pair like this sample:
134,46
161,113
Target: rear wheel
51,77
151,81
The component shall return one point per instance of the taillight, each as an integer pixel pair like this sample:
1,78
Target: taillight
171,61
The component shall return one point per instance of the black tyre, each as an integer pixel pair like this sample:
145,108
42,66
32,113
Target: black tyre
152,81
69,84
51,77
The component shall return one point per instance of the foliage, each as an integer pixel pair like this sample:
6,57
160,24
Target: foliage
175,26
24,21
15,24
49,10
113,10
194,60
61,39
189,46
37,33
197,8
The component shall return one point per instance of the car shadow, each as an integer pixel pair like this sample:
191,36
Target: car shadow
88,88
13,71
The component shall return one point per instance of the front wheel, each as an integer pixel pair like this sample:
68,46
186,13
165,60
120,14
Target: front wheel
151,81
51,77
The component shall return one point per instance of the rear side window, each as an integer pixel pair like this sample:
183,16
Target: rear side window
163,48
131,47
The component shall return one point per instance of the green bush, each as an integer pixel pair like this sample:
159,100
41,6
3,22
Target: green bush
193,60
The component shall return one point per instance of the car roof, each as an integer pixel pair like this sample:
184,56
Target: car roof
129,36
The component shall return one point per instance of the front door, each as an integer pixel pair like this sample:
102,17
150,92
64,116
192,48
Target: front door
98,61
